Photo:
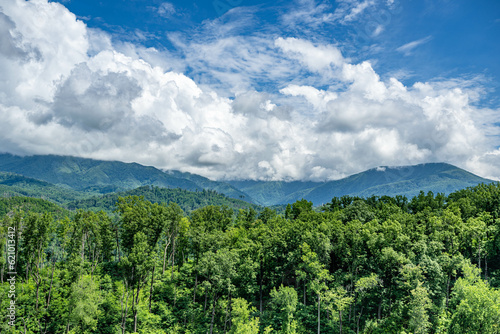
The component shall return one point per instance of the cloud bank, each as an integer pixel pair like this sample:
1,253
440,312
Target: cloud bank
255,106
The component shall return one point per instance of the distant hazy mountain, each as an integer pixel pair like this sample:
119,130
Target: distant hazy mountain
107,176
275,192
391,181
95,176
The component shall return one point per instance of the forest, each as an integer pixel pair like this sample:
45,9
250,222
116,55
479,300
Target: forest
429,264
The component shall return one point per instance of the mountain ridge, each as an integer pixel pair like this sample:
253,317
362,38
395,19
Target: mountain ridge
98,176
383,180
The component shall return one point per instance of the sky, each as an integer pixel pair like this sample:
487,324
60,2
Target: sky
248,89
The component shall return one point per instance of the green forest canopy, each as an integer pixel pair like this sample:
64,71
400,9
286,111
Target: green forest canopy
359,265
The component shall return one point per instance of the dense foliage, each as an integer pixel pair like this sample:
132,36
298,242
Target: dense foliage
360,265
18,185
188,200
8,205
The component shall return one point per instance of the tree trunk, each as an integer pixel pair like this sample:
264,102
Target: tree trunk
83,247
227,312
37,291
51,281
260,285
319,314
213,315
135,307
117,247
479,255
195,286
379,311
340,318
151,289
205,305
94,264
448,290
133,304
173,257
485,268
304,292
165,255
359,318
124,312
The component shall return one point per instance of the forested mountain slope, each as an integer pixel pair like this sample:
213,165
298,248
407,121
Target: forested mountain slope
391,181
107,176
11,205
187,200
96,176
18,185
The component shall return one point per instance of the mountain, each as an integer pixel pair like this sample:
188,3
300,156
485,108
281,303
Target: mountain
65,174
24,193
220,187
18,185
275,192
391,181
96,176
187,200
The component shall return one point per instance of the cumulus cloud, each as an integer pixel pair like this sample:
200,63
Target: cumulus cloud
316,58
276,108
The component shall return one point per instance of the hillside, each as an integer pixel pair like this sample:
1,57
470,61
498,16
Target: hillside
275,192
77,175
18,185
98,176
187,200
390,181
9,205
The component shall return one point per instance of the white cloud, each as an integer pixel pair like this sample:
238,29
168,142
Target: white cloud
318,98
408,48
316,58
378,30
307,14
350,10
166,9
358,9
67,89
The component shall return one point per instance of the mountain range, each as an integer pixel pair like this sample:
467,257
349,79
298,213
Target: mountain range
78,178
97,176
390,181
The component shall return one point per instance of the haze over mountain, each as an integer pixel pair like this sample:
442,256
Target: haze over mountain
390,181
96,176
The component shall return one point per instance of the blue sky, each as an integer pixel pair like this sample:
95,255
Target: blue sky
419,40
240,89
